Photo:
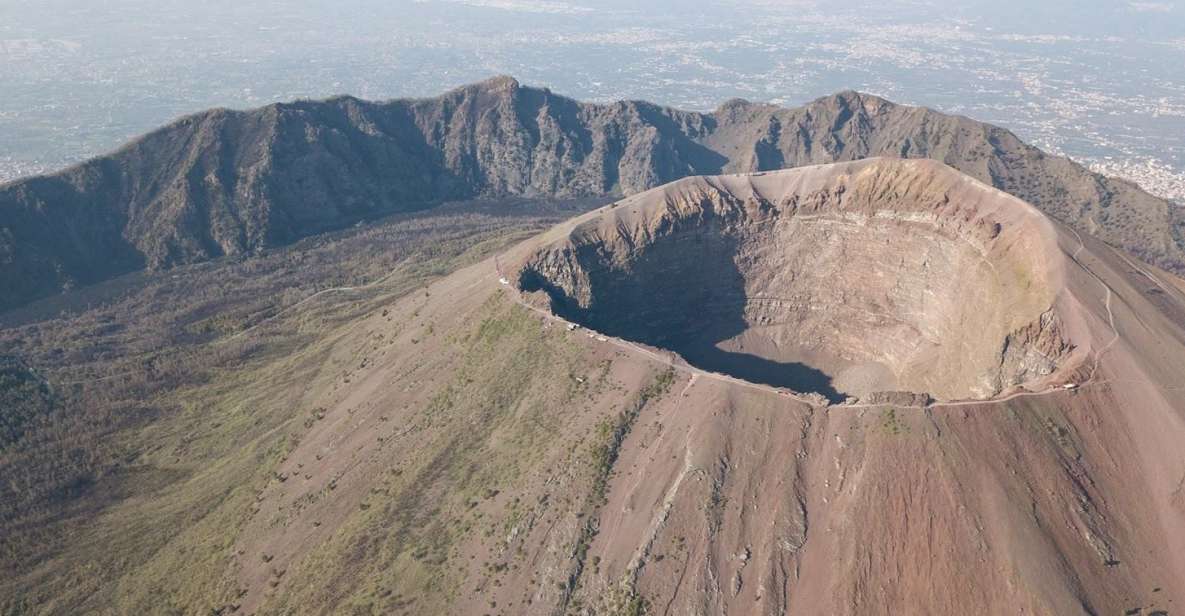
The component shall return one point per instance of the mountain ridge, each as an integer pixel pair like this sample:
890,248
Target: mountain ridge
224,182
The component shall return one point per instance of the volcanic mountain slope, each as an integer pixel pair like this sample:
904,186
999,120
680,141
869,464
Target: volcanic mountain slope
229,182
462,450
1022,495
598,472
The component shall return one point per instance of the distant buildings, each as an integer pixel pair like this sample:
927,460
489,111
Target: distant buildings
1150,174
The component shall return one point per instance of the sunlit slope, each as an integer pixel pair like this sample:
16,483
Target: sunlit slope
459,449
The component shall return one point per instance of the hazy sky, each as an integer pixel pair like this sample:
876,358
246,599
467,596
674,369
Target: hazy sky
79,77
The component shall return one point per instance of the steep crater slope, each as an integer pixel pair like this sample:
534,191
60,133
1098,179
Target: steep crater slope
845,280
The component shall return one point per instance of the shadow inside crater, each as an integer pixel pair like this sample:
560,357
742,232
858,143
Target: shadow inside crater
684,293
756,369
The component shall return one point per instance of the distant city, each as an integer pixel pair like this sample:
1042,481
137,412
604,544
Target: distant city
1105,87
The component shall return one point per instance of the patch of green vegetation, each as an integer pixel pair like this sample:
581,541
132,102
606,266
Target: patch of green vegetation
490,417
609,434
216,325
164,428
622,599
634,606
24,398
1056,427
891,424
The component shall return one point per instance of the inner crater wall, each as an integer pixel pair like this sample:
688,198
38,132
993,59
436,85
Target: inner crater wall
846,288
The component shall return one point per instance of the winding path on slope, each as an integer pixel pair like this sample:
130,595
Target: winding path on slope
1106,303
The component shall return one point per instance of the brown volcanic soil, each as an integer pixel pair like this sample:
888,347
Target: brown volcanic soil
458,450
504,463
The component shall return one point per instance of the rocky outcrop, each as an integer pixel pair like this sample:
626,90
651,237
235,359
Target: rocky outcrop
1033,351
905,399
232,182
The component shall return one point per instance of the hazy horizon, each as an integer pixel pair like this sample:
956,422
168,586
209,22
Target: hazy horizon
1094,81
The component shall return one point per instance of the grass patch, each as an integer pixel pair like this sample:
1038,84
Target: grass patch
503,395
892,424
609,435
162,428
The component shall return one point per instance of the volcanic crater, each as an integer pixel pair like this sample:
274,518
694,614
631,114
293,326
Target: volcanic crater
845,280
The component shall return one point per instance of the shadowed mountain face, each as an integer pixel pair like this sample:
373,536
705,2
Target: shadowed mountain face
228,182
